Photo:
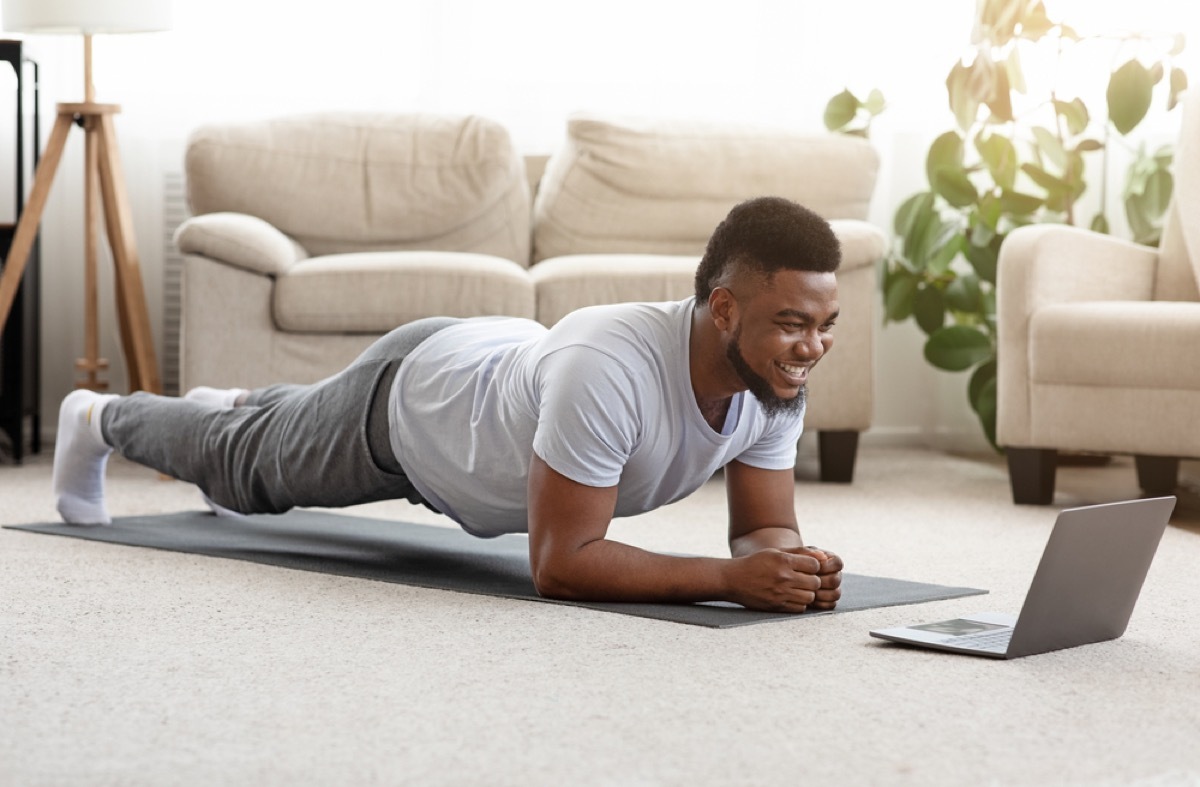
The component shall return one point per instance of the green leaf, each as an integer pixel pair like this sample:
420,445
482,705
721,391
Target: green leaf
956,348
983,378
964,295
1140,225
1157,194
944,168
1075,113
898,301
1001,17
1000,102
1035,23
917,208
875,103
1000,156
1014,202
1156,73
963,103
1050,146
946,153
955,187
1100,224
1044,179
1179,83
982,394
1074,174
1088,145
983,258
840,110
1129,93
920,239
929,309
986,219
1016,75
946,245
1150,203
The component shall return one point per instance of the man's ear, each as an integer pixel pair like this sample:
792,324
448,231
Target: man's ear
723,308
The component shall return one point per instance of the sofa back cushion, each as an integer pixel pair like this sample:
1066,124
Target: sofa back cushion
661,187
347,182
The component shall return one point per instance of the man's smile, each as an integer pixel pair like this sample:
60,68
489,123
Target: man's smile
795,374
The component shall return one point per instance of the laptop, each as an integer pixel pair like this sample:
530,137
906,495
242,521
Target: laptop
1084,589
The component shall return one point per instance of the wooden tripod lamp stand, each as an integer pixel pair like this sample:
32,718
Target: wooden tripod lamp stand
104,184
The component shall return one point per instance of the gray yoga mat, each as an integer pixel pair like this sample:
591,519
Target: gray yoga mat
433,557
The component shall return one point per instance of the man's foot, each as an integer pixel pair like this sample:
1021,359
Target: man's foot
80,459
224,398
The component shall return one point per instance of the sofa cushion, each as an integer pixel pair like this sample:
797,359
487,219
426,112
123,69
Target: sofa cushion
564,284
345,182
1118,344
662,186
377,291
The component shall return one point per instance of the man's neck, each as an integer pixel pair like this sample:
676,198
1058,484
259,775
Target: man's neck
706,357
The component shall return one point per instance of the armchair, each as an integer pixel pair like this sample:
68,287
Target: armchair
1099,343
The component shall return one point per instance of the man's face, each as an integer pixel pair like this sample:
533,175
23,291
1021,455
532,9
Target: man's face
779,332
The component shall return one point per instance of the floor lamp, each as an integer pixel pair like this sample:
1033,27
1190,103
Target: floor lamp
104,184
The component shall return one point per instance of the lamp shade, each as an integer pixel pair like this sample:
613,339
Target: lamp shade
86,16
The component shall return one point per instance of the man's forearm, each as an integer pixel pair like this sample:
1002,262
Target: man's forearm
765,538
605,570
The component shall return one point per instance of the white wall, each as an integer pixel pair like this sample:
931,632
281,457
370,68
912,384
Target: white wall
527,63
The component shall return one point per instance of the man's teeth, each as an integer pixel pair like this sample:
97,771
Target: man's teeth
792,369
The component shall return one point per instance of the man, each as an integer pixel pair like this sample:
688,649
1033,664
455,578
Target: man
505,426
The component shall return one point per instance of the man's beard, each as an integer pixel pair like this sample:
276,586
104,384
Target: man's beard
772,403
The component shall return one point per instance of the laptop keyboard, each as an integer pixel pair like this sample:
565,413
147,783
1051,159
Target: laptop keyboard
984,640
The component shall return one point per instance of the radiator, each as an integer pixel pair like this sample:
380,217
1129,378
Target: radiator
175,212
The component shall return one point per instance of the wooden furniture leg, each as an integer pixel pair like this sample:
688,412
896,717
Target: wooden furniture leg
131,295
18,253
91,364
102,167
1031,473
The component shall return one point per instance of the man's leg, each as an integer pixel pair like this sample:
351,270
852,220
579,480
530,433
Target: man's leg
315,445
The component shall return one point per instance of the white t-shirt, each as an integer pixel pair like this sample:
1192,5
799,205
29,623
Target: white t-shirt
604,397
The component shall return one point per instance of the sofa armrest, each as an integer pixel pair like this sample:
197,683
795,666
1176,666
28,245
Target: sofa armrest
1043,264
862,243
240,240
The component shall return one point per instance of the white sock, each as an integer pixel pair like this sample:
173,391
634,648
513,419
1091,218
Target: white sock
80,459
216,397
218,509
224,398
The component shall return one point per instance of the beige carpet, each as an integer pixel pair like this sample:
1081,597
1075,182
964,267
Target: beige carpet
125,666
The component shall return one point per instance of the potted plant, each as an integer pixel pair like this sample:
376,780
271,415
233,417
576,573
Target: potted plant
1012,158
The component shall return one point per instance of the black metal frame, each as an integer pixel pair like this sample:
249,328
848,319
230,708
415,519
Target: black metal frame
20,351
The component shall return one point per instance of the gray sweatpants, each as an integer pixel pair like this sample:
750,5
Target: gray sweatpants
324,444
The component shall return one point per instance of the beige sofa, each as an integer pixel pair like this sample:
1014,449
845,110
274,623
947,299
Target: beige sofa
313,235
1098,343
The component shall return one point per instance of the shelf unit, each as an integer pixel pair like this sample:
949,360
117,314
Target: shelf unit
20,351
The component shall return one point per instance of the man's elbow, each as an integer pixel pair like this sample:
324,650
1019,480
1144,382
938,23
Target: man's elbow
551,581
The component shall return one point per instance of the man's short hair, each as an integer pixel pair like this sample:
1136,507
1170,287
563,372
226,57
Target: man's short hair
765,235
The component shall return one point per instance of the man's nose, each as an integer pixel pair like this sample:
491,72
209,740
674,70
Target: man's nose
808,346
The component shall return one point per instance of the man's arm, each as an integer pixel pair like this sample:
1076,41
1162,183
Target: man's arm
572,559
762,516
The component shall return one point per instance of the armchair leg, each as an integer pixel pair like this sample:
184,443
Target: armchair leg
1031,473
1157,475
836,451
